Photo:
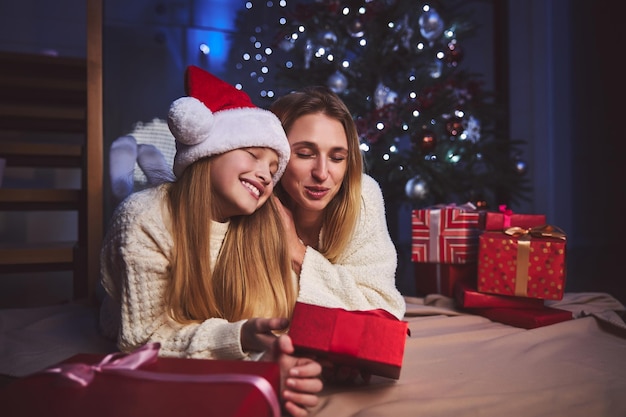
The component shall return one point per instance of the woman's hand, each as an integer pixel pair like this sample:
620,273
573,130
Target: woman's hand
257,334
295,245
300,378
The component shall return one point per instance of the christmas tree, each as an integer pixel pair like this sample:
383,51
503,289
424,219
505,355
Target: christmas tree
428,128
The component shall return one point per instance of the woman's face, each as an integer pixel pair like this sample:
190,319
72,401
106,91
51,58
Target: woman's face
318,163
242,180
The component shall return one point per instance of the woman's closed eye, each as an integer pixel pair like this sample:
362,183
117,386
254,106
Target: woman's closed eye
338,157
305,154
335,157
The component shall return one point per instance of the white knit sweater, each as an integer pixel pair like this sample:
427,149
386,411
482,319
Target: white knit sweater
135,270
364,276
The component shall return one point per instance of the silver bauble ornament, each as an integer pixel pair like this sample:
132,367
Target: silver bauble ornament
355,29
435,68
328,38
416,188
384,95
431,25
337,82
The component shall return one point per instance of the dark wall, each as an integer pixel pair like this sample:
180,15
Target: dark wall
598,147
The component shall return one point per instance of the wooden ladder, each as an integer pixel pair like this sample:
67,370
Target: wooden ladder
51,118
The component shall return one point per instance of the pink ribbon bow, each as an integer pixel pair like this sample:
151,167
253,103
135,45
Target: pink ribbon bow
506,213
83,374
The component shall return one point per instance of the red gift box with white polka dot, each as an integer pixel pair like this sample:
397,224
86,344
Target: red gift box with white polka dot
522,265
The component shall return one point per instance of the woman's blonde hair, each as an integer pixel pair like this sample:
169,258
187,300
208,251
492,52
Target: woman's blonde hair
252,274
341,215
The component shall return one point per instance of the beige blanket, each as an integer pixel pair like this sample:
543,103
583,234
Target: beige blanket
455,364
458,365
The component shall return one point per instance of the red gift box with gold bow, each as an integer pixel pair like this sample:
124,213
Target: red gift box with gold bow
372,341
141,384
523,262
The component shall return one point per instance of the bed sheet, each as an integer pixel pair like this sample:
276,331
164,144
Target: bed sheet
455,364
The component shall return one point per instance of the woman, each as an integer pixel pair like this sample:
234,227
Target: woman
333,212
198,264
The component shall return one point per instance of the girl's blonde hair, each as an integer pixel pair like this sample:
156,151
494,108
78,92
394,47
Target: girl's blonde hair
341,215
252,274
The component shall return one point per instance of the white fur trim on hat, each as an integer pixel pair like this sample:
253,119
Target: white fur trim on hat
209,124
232,129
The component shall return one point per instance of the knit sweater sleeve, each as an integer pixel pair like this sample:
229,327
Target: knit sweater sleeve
135,271
364,276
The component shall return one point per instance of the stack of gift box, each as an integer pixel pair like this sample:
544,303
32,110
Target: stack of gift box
500,265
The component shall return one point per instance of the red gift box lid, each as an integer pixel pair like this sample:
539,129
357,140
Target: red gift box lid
185,387
491,220
351,338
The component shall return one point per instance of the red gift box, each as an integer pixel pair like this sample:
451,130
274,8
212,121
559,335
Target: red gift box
437,278
530,318
447,234
467,296
372,341
523,262
506,218
141,385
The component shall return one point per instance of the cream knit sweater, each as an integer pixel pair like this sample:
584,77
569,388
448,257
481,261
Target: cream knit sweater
135,270
364,276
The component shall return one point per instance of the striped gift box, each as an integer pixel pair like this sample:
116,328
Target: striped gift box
445,234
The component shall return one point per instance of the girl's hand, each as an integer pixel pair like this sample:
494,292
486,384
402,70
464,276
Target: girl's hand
300,378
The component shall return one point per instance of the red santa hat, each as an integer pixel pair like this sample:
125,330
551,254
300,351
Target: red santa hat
216,118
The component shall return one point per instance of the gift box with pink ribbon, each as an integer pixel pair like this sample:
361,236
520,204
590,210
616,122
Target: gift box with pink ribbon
372,341
523,262
505,218
141,384
444,247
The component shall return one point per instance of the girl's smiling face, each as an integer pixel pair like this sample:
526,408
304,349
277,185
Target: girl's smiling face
242,180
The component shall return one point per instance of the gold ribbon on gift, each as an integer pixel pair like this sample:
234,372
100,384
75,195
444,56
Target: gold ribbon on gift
523,251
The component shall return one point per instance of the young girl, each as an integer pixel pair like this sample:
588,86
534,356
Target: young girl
199,264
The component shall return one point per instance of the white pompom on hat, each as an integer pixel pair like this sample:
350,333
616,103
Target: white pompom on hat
216,118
